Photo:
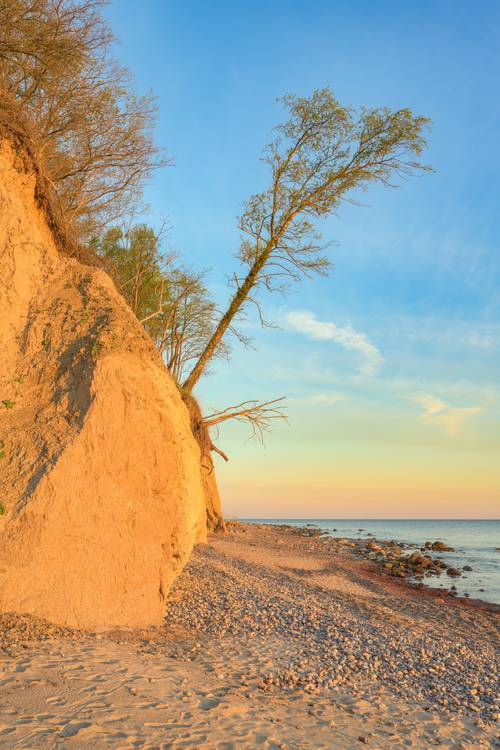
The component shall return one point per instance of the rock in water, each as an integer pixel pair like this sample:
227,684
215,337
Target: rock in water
101,495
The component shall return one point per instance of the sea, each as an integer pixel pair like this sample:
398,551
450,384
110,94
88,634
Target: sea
476,544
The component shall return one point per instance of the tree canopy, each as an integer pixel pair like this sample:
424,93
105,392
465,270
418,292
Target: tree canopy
92,131
171,301
320,158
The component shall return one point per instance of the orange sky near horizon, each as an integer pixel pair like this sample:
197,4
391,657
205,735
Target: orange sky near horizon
251,500
315,467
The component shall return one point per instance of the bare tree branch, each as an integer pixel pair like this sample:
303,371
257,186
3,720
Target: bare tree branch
218,450
259,415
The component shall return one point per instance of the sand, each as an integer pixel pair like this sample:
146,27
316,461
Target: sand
257,627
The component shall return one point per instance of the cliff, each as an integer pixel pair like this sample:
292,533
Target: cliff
101,493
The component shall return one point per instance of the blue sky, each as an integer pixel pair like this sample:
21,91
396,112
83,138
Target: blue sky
392,362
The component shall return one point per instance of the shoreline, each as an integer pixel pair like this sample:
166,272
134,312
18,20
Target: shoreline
271,639
362,550
361,546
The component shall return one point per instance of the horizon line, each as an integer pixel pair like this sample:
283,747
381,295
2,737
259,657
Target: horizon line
338,518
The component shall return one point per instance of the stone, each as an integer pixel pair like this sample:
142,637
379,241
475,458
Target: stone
440,547
420,560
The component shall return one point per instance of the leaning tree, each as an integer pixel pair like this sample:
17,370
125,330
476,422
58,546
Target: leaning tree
321,158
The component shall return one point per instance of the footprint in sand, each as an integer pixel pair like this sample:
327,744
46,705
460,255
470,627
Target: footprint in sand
56,700
86,690
71,729
135,741
209,703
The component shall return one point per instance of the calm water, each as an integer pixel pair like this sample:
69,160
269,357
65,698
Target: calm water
475,543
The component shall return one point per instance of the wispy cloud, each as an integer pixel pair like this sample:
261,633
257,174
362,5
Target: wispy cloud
324,398
305,322
319,399
440,413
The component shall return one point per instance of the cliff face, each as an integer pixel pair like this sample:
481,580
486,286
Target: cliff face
101,493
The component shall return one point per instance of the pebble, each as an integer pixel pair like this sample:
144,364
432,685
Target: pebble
337,641
334,643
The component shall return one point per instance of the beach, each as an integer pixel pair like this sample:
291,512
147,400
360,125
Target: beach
474,544
274,638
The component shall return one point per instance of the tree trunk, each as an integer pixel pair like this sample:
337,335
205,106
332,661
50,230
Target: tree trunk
237,301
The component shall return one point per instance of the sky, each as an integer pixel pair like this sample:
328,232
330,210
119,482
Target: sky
391,364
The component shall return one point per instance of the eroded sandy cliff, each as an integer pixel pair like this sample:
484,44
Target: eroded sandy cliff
100,488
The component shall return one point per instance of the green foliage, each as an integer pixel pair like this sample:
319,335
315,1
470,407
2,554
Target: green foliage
8,403
2,449
96,347
321,155
20,379
172,302
3,509
137,265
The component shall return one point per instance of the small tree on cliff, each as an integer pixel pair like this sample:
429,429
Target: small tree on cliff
134,259
92,132
320,158
171,301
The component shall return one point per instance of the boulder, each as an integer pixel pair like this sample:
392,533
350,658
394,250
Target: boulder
101,492
440,547
376,549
